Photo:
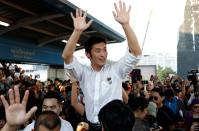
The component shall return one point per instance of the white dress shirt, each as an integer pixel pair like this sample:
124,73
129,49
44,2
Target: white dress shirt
65,126
101,87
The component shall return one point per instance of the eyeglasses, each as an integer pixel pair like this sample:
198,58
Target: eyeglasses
154,98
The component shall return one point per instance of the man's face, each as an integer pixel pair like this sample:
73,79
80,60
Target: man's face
142,113
196,108
156,98
2,123
98,54
170,98
51,104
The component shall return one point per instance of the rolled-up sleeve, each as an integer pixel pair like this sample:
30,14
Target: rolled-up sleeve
130,58
126,64
75,68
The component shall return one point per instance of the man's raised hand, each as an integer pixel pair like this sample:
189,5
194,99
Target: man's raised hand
121,14
79,20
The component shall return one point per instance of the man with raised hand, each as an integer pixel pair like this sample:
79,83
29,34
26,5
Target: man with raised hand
100,82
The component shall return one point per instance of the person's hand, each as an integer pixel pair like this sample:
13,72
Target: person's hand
16,112
82,126
79,20
194,126
121,14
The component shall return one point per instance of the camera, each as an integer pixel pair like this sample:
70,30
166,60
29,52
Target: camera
153,123
193,76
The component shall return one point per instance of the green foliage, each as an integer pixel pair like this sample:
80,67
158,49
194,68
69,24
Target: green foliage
164,72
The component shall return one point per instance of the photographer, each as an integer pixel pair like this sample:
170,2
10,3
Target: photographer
193,87
193,76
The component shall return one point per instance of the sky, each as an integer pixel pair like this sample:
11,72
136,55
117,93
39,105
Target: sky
163,18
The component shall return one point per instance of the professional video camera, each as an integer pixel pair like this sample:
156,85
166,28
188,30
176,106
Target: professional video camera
193,76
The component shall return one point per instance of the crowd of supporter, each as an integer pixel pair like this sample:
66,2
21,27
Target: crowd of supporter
166,105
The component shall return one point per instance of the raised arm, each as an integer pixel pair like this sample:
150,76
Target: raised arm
78,106
125,96
80,24
16,112
122,15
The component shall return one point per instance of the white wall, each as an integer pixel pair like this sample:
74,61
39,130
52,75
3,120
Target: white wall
147,71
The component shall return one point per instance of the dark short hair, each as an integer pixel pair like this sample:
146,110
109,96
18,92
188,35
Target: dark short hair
48,119
53,94
56,79
125,86
169,93
158,90
88,44
138,103
116,116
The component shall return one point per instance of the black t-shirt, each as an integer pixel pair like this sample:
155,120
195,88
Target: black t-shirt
165,117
